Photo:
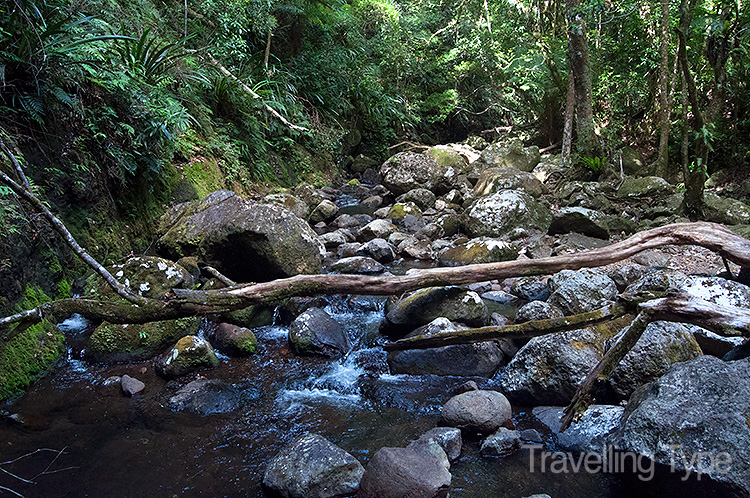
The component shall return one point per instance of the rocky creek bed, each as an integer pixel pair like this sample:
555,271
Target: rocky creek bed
226,406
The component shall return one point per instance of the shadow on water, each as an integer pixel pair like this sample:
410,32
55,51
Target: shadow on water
116,446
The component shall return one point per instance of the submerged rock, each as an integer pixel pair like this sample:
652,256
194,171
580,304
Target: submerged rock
312,467
245,240
189,354
131,386
697,414
502,443
315,333
476,411
209,396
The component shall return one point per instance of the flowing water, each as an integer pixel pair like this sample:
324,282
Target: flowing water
108,445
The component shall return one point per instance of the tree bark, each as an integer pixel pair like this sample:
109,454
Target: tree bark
578,53
665,78
570,103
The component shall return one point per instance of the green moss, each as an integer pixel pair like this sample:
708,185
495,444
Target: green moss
116,342
32,352
205,175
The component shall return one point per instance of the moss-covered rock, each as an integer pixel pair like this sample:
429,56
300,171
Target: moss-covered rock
497,214
245,240
481,250
146,276
408,170
511,155
189,354
233,340
112,342
645,187
399,211
725,210
27,356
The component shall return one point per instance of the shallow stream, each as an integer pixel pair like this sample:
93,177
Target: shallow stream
115,446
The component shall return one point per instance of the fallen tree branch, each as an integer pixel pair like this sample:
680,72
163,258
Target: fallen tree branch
527,329
219,276
254,95
187,302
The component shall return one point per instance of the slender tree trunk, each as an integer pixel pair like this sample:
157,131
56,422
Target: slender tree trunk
570,103
267,55
578,53
665,77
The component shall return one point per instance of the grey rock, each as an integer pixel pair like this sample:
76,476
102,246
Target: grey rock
315,333
645,187
476,411
511,155
332,240
423,198
408,170
712,343
290,202
661,345
718,291
479,359
698,407
589,433
531,288
537,310
497,214
379,250
377,229
348,250
448,438
581,220
312,467
581,291
725,210
548,369
209,396
414,471
360,265
227,232
494,180
479,250
325,211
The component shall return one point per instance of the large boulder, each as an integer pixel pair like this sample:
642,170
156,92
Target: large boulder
189,354
478,411
548,369
581,220
115,342
245,240
494,180
661,345
290,202
479,250
697,414
645,187
587,434
409,170
315,333
415,471
312,467
425,305
497,214
580,291
480,359
146,276
725,210
511,155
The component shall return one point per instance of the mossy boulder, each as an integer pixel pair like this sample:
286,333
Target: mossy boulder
233,340
494,180
27,356
645,187
113,342
399,211
245,240
497,214
480,250
725,210
146,276
188,355
408,170
425,305
511,155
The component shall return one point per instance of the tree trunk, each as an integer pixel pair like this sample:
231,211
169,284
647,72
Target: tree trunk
662,161
578,53
570,102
